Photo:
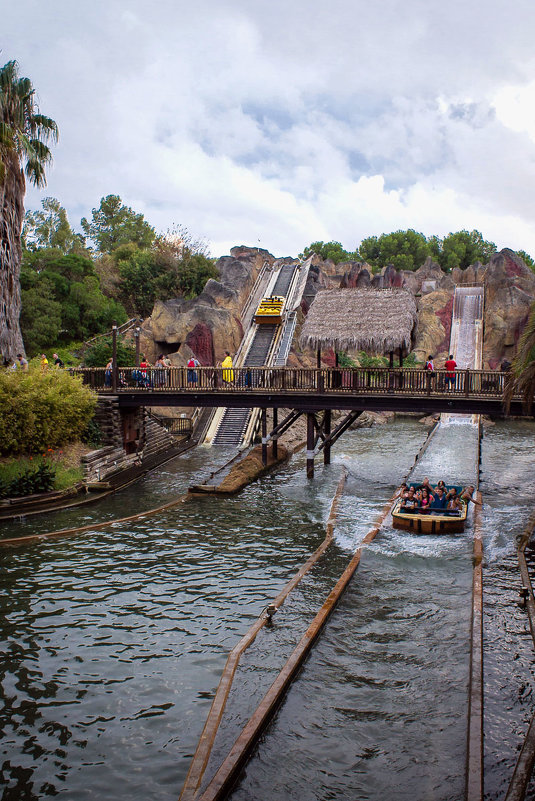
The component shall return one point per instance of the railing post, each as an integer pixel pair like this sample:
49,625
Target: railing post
114,357
428,380
467,383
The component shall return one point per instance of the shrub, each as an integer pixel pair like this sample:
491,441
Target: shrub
100,353
42,410
29,480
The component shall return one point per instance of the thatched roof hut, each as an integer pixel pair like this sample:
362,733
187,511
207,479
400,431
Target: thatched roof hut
374,320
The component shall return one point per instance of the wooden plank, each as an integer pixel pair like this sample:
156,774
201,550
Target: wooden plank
474,772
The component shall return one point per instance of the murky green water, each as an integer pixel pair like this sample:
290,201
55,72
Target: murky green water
115,640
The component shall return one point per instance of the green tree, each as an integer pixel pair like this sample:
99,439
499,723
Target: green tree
463,248
330,250
70,283
99,354
24,134
526,258
115,224
50,228
167,270
40,318
405,250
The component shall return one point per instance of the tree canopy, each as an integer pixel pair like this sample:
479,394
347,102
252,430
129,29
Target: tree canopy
329,250
408,250
158,273
114,224
24,137
62,300
50,228
405,250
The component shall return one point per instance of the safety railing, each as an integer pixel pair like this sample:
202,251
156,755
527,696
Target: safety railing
357,380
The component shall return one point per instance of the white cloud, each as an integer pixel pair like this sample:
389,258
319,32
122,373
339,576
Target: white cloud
290,122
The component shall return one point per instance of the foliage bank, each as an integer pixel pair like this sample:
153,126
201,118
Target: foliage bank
408,250
42,410
29,476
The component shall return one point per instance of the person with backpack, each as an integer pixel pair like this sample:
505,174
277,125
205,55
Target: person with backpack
192,371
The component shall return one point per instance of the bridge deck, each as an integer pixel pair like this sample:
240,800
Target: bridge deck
471,391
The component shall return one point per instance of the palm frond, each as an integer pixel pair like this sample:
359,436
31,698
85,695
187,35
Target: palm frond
35,172
23,128
45,127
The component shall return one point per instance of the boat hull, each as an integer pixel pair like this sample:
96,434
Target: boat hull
428,523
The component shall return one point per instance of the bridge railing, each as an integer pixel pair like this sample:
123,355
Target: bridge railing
356,380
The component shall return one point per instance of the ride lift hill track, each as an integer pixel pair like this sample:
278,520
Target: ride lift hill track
263,345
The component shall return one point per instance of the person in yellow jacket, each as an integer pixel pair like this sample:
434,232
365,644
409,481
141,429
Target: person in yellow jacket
228,372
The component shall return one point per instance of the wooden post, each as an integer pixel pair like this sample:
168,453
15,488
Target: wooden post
275,436
310,444
401,357
327,431
467,383
264,437
114,357
391,359
318,358
136,334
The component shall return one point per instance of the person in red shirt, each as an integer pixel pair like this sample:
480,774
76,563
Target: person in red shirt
450,366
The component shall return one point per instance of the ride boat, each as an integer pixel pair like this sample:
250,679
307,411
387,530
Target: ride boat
429,520
270,310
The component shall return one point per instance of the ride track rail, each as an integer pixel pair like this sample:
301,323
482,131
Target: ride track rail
520,779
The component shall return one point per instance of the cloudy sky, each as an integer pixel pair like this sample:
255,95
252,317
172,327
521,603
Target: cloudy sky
279,122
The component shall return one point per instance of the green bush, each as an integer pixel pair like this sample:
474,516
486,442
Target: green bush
32,480
99,354
42,410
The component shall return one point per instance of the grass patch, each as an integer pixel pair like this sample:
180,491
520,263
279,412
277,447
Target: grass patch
28,475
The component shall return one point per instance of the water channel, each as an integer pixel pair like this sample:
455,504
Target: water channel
114,640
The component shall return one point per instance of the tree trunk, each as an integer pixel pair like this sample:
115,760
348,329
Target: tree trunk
11,215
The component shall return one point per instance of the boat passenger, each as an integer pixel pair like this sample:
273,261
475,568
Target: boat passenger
427,499
454,502
410,502
440,499
442,486
467,493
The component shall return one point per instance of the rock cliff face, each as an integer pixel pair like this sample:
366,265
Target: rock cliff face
210,324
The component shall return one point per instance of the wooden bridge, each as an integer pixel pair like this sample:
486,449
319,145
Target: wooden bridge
311,392
357,389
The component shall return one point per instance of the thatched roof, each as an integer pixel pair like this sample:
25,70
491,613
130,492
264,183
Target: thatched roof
374,320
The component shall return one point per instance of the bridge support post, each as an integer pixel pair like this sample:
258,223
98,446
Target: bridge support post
264,438
275,436
136,335
114,375
311,437
327,431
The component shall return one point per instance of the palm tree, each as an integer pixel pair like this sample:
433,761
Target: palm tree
24,133
521,380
